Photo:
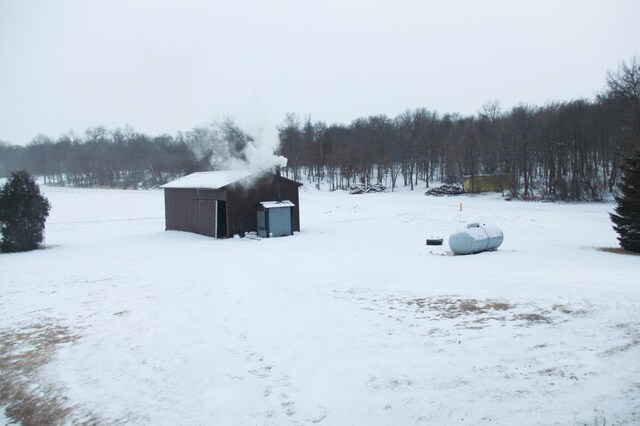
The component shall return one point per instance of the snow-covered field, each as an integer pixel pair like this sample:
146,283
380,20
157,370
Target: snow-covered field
353,321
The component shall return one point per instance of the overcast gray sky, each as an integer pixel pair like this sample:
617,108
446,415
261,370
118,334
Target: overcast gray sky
164,66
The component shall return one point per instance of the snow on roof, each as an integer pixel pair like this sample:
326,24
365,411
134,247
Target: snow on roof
209,180
276,204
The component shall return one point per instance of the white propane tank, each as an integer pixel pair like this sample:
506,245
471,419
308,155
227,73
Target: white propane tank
475,239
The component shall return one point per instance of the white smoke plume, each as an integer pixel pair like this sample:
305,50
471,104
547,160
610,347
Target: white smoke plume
260,152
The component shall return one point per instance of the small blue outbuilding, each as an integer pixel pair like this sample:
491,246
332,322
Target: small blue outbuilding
275,218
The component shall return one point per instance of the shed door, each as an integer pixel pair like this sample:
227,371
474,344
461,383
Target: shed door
207,217
280,222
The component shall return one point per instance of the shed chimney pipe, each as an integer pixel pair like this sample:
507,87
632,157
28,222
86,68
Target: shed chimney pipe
278,195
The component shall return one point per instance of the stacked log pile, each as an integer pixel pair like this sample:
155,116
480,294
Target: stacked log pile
364,189
443,190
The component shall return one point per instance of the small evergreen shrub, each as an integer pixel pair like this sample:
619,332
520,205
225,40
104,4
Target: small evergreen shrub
23,212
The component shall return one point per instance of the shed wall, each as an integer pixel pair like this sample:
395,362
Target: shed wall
180,209
191,210
242,202
485,183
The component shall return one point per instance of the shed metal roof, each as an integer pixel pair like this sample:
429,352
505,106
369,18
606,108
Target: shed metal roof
210,180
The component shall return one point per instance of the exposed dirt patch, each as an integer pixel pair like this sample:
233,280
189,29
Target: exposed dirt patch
472,313
450,307
557,372
568,310
22,354
632,338
390,383
468,313
617,250
533,318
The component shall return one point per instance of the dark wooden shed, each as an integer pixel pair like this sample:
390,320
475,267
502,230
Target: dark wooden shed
225,203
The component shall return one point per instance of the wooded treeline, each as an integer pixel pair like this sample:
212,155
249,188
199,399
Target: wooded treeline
123,158
564,150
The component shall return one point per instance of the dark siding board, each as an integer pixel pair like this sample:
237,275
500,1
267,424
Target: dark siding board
290,192
212,194
181,209
207,217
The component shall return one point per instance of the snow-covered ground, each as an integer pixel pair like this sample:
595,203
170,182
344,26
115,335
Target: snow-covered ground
353,321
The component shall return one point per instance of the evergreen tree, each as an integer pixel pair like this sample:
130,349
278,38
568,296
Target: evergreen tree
23,212
627,217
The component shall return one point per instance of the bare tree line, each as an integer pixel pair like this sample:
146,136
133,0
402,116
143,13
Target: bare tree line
123,158
563,150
